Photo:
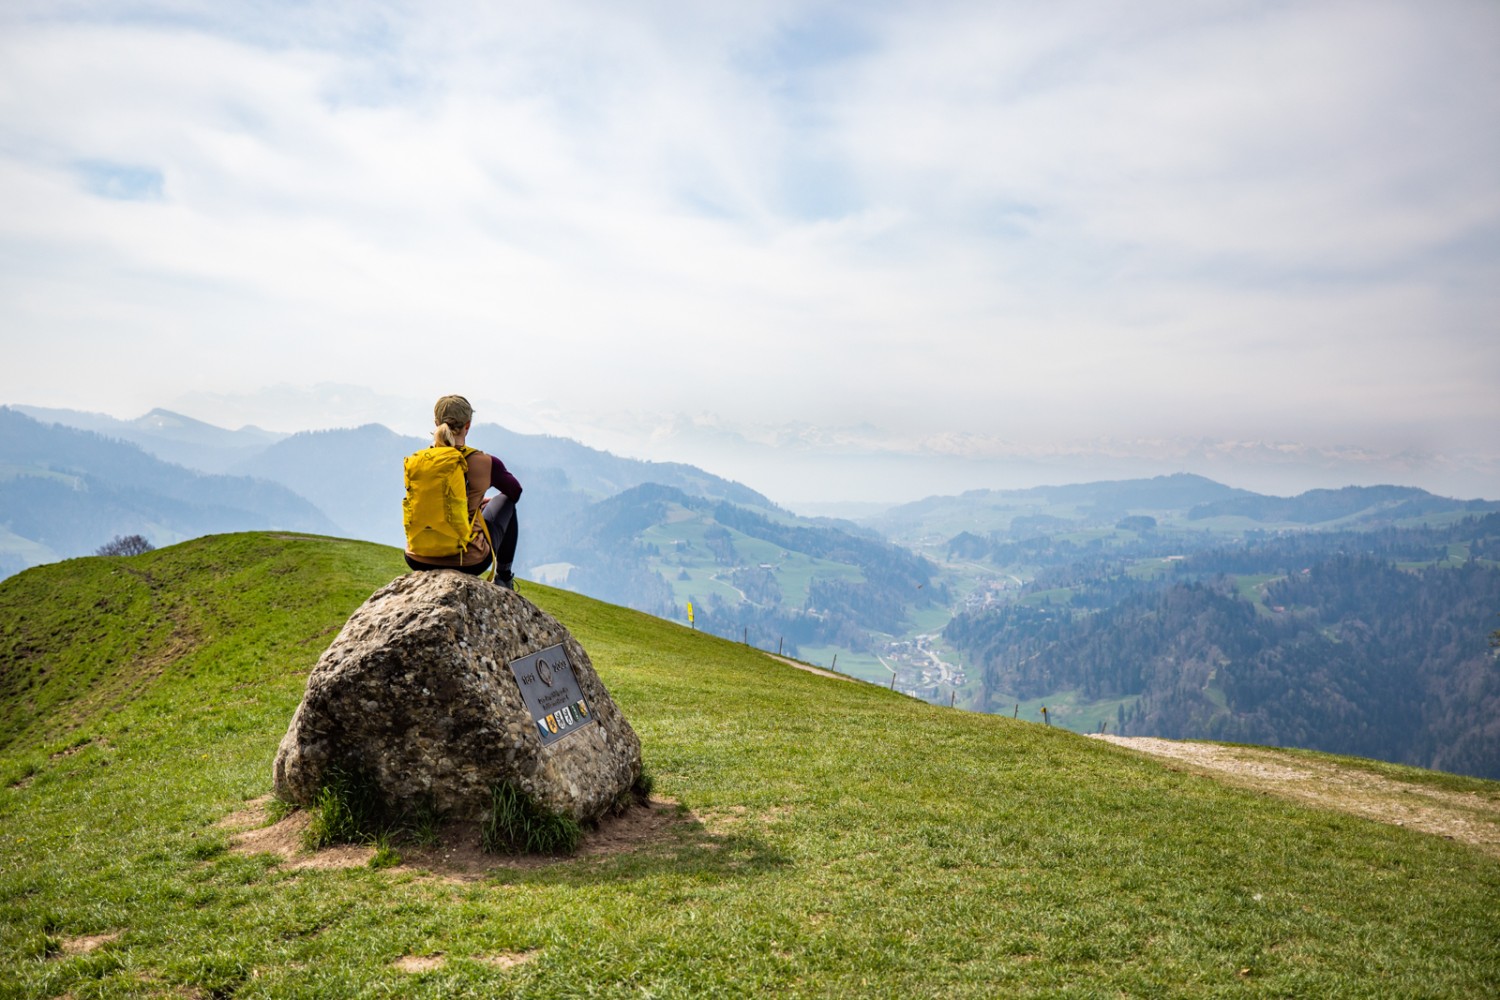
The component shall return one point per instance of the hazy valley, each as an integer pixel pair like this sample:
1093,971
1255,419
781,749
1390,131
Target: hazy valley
1350,620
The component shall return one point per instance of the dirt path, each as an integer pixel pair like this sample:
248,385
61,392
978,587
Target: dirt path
1470,817
812,670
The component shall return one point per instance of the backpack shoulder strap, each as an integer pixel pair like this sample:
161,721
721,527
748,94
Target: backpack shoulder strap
484,525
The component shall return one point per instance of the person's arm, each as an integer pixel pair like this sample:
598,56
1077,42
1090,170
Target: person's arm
502,480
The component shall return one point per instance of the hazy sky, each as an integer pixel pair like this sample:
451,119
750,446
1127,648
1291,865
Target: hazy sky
1000,230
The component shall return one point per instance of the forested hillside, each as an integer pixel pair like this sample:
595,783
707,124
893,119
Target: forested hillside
1369,643
778,581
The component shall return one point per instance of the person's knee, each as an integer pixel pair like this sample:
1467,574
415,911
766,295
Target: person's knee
499,513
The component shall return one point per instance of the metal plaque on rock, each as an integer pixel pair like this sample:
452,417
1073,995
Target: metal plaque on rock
551,693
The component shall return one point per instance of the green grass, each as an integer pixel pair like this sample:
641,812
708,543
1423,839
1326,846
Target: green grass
1252,588
1056,596
794,571
836,839
1461,783
930,619
864,666
1150,569
1066,709
517,824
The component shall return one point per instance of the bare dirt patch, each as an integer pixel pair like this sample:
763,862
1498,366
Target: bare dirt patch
419,963
507,959
84,945
256,813
639,826
430,963
1463,816
77,748
733,819
284,839
456,854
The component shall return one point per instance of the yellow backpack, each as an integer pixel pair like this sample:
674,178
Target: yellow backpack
435,512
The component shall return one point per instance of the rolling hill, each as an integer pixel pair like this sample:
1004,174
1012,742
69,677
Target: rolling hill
649,535
812,837
64,492
354,475
660,536
772,579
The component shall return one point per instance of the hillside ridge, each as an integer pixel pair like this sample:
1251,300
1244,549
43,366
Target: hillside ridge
836,839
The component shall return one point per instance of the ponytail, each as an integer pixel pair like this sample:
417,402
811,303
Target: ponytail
450,417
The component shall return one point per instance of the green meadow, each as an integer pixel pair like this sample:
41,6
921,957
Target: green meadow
826,838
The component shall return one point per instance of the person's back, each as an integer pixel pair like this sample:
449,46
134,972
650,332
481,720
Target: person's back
448,522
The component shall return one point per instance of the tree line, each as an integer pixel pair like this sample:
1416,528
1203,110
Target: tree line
1348,652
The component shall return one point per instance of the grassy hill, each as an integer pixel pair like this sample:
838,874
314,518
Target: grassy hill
834,839
772,580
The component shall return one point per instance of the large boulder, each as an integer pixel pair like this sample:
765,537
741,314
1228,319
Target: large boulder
422,696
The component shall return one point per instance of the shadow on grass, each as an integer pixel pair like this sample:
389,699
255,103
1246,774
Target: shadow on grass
651,840
686,849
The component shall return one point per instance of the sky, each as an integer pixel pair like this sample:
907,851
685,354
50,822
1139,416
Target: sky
840,251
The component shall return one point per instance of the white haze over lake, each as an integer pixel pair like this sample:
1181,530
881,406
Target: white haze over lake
838,251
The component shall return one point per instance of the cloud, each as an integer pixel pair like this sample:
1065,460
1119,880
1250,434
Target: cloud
1016,220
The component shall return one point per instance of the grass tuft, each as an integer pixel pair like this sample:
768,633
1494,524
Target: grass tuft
517,824
347,811
421,824
279,809
645,784
385,855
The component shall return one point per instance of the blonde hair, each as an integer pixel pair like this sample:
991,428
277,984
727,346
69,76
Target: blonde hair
451,415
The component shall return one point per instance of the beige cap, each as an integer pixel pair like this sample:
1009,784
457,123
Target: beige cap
454,411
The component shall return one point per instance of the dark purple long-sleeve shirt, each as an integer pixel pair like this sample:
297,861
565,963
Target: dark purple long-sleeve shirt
502,480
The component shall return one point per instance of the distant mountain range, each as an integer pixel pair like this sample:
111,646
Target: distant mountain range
1181,502
64,492
355,477
1059,591
345,482
169,436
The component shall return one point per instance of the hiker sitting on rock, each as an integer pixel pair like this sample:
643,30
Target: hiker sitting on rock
449,523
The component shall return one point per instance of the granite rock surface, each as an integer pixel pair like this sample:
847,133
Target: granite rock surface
417,695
